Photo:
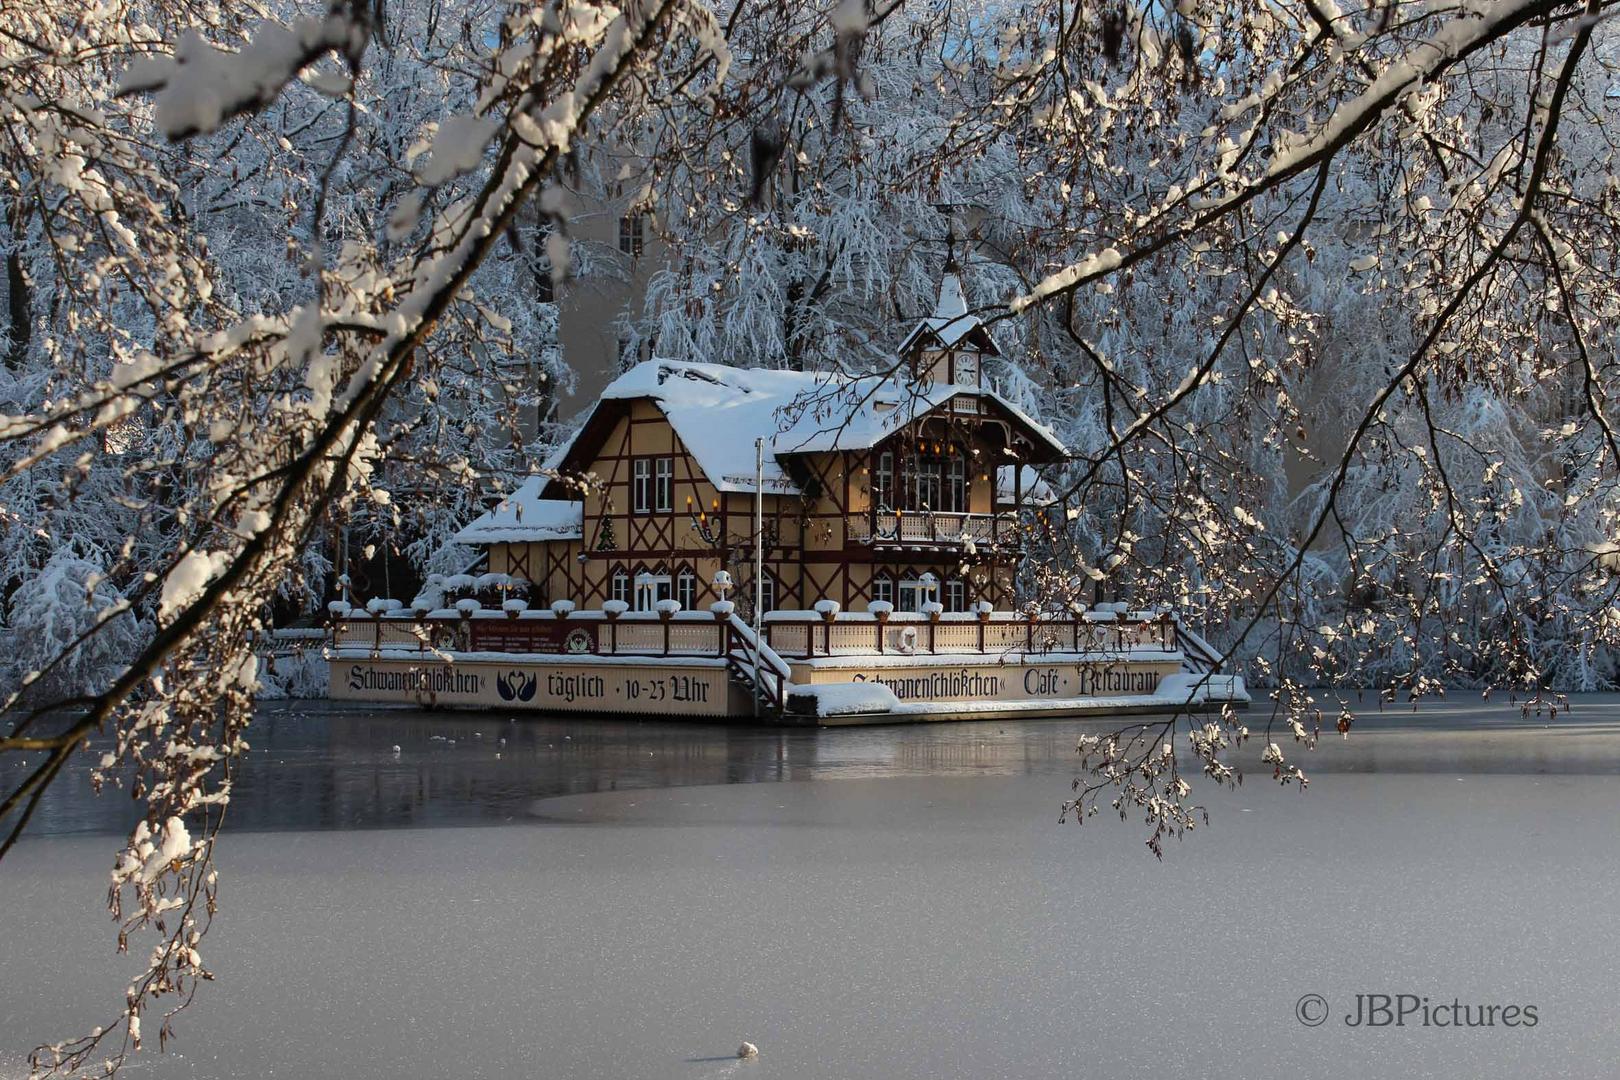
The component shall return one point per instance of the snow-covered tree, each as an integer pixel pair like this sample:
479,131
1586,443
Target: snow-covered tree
265,280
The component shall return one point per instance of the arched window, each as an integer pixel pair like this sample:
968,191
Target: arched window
686,588
652,585
883,587
621,586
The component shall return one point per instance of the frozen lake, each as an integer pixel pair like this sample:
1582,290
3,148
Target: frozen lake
630,900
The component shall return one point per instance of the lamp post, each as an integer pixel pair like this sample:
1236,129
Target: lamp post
759,558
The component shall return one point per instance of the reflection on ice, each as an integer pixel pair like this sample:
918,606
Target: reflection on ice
316,766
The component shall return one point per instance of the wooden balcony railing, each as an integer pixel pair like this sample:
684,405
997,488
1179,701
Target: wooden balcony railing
929,527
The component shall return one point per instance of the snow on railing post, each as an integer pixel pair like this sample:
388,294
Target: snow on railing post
666,613
611,610
828,610
722,619
881,610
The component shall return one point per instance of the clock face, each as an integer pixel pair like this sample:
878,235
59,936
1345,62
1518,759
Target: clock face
967,369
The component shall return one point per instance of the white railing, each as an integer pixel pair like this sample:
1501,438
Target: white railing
928,527
807,634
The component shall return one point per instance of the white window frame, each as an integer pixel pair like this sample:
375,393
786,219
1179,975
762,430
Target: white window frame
955,495
767,593
633,235
641,485
620,588
664,484
956,595
911,595
654,588
883,482
882,589
686,589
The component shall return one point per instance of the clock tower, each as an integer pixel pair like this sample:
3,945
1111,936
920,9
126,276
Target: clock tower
949,347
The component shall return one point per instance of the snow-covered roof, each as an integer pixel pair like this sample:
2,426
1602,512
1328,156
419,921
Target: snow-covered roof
718,412
524,516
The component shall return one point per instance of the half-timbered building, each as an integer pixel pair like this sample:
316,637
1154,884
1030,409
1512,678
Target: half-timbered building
868,484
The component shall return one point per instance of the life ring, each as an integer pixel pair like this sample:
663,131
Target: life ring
908,640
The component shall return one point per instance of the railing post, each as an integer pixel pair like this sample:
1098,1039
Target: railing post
826,639
376,632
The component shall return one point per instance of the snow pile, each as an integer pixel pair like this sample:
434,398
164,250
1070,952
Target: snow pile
841,699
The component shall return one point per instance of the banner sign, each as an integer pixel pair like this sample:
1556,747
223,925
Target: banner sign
686,690
1000,682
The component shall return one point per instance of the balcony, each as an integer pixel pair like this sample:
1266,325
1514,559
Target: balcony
925,528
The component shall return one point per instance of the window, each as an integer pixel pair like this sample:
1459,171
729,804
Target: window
937,482
912,595
641,485
956,595
927,483
621,586
664,483
956,491
883,482
652,485
633,234
651,588
767,593
686,589
883,589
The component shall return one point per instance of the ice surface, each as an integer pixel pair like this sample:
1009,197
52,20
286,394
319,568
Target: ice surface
904,905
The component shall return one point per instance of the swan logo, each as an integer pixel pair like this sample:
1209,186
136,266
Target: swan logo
516,686
577,641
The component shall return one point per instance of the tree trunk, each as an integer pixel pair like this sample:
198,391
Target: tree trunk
19,297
